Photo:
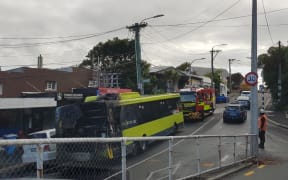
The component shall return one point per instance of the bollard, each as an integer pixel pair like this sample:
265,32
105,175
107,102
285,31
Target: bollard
171,158
39,161
123,157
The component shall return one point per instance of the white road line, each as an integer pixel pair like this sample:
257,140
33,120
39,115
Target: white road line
225,158
177,166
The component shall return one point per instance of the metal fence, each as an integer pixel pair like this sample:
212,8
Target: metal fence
163,157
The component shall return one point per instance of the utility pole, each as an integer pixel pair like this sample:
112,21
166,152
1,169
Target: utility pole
254,94
212,65
279,74
230,79
212,62
136,29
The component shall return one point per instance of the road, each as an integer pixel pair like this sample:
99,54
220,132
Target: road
273,162
185,152
153,164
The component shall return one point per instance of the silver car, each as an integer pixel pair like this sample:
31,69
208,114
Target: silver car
30,150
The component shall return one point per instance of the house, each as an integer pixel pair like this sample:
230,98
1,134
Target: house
171,79
26,114
28,96
202,71
16,81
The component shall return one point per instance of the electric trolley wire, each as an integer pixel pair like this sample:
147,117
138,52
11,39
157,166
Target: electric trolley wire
221,13
216,20
267,24
56,37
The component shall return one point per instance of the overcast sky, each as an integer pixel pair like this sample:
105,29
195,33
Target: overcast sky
187,31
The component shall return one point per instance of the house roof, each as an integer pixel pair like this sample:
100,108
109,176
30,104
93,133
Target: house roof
158,69
205,70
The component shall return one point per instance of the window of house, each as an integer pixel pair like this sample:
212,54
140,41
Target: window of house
51,85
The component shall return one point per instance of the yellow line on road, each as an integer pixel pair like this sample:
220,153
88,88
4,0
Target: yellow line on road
207,164
249,173
261,166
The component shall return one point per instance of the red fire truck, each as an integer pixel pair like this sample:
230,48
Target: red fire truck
196,103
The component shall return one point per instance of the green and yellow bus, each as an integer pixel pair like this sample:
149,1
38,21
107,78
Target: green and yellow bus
117,115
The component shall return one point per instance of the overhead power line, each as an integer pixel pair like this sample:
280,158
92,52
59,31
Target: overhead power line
267,22
22,45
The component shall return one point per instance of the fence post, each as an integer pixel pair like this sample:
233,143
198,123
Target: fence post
234,152
171,158
123,155
198,155
39,161
219,152
246,148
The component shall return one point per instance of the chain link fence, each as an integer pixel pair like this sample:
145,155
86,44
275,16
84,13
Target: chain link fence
149,158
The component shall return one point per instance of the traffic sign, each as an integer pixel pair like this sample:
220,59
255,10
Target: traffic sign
251,78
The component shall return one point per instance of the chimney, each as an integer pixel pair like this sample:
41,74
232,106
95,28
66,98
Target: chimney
40,62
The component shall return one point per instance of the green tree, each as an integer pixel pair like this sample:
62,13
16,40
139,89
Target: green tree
117,56
184,67
270,63
216,80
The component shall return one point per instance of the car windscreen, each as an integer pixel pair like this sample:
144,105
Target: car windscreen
245,93
188,96
232,108
243,102
38,135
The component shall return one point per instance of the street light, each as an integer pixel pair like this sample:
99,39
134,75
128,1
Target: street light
191,68
136,28
212,61
230,78
159,15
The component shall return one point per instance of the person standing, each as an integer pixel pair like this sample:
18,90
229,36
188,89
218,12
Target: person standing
262,126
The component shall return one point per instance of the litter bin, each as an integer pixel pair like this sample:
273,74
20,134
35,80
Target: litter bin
10,149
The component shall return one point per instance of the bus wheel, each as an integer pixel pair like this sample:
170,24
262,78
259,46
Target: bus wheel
175,128
135,149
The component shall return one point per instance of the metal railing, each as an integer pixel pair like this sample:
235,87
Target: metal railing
182,157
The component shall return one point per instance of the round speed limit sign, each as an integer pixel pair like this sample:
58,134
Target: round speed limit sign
251,78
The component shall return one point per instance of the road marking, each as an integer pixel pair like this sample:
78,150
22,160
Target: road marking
176,167
250,173
207,164
225,158
261,166
150,176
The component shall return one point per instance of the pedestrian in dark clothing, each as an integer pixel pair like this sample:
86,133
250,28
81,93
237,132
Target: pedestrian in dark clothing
262,126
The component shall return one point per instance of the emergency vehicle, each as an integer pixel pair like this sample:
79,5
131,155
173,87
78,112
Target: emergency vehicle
196,103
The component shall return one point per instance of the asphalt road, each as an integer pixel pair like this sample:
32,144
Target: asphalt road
273,160
153,164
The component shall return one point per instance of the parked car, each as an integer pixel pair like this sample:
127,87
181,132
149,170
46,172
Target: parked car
30,150
246,93
234,113
245,101
222,99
